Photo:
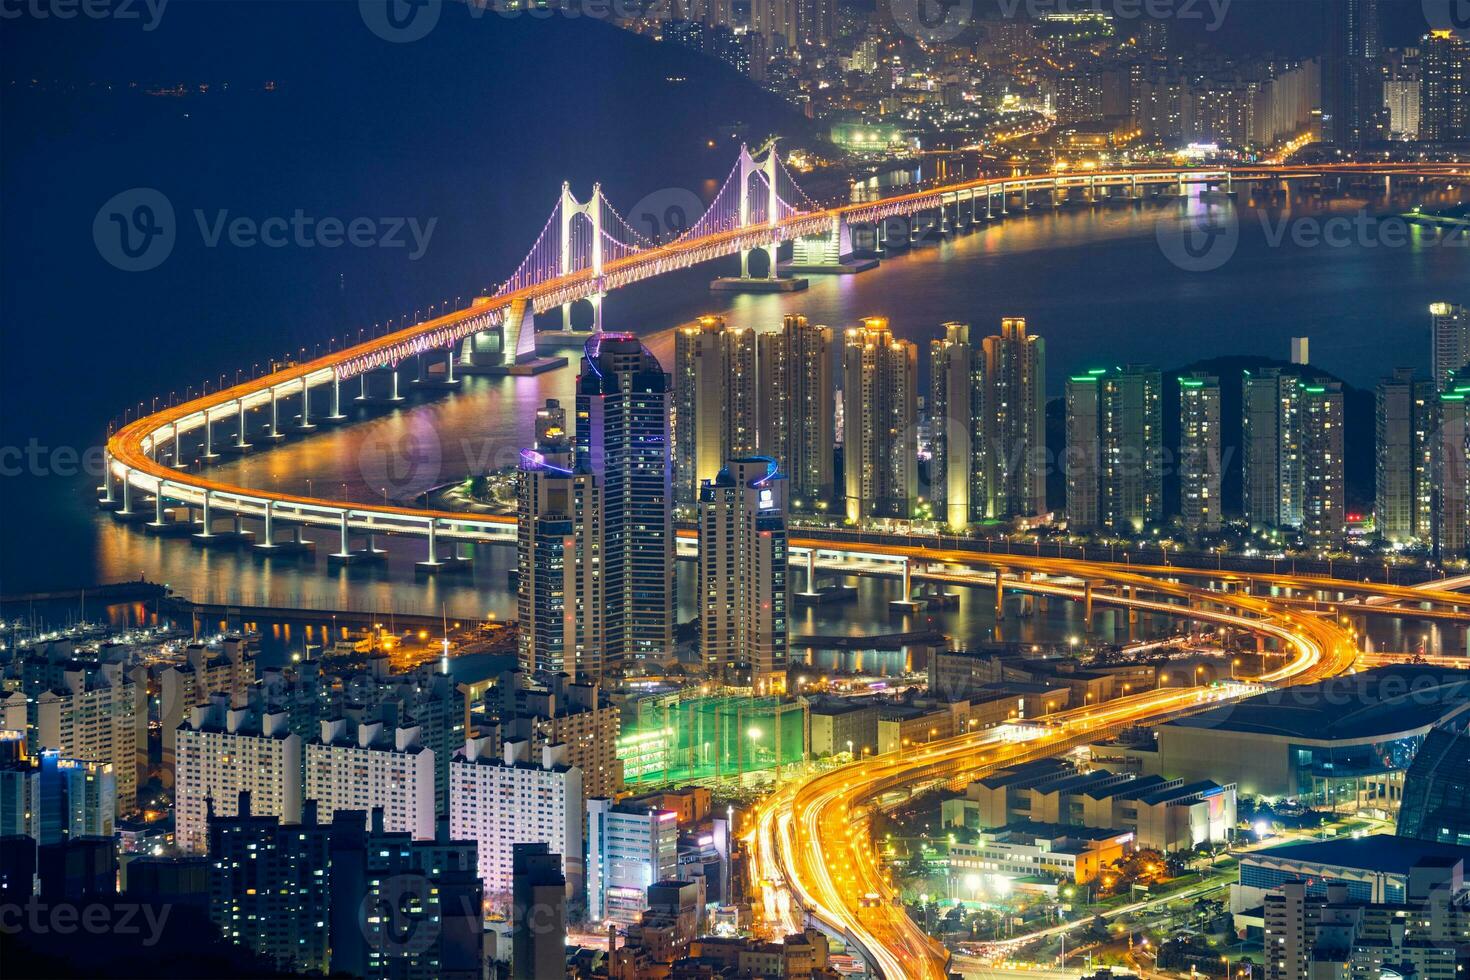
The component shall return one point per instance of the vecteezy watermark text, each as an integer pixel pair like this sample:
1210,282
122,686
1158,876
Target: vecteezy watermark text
136,230
40,917
301,230
1204,240
149,12
1212,12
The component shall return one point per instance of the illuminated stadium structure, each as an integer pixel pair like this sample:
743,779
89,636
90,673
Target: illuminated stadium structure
1344,742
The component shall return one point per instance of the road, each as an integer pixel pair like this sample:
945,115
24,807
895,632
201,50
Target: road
809,842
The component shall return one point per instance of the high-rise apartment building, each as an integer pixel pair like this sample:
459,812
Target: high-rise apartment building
1444,94
954,407
561,605
629,847
1199,452
1352,93
92,714
1013,425
349,897
1131,477
743,583
229,670
715,402
1324,509
500,802
223,752
369,765
880,454
1404,421
268,882
1125,404
622,439
776,22
1450,527
1084,450
816,22
577,715
51,799
1272,455
427,896
1314,930
1449,340
798,410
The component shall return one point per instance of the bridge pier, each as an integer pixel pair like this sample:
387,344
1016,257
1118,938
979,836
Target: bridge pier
239,447
209,454
268,539
206,531
106,500
276,435
304,424
157,525
127,511
336,414
177,449
906,603
771,283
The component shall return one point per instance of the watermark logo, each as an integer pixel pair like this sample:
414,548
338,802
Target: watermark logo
666,214
1202,240
397,920
401,465
1448,15
148,12
400,21
932,21
135,230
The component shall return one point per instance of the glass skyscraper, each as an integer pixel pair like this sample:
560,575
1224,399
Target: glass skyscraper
622,439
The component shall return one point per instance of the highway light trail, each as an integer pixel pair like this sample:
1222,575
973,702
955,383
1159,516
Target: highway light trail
810,838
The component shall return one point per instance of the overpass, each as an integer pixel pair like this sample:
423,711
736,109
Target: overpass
584,250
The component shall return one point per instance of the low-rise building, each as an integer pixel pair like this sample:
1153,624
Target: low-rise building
843,725
1165,814
1024,849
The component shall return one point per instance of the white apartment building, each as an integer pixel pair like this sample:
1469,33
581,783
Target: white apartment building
373,766
223,751
499,802
93,715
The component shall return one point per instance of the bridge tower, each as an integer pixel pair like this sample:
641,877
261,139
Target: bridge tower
767,169
568,210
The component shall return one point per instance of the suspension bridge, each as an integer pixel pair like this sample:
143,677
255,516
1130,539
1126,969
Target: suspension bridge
584,250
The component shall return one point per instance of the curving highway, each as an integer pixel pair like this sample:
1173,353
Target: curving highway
808,842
